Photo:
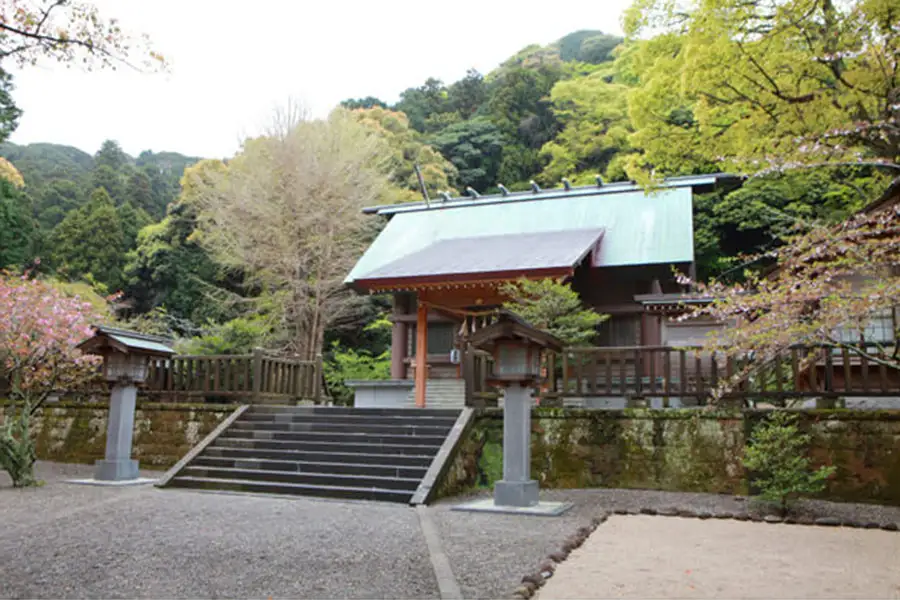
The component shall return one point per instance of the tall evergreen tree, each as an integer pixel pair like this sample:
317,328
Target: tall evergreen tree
17,228
89,243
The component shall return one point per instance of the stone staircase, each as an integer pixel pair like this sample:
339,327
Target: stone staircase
351,453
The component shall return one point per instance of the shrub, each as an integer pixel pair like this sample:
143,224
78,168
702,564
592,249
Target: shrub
554,307
238,336
343,364
777,456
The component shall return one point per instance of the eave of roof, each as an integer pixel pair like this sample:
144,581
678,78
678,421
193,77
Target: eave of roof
456,281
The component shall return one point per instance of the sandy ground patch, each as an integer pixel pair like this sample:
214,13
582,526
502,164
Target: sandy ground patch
666,557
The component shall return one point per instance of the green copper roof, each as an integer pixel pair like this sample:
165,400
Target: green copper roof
638,228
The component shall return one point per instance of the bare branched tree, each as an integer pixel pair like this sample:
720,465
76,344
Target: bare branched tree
287,212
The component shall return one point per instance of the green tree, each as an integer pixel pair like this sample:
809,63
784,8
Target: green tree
139,192
165,170
598,49
17,228
519,98
422,102
132,220
555,307
475,147
778,459
103,176
767,84
55,200
586,45
736,228
170,270
111,155
237,336
593,111
467,95
9,112
89,242
406,149
367,102
346,364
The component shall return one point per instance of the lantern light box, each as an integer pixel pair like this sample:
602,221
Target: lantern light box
126,354
516,347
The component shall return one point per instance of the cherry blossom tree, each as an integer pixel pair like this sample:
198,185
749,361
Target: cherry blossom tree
39,331
828,285
69,32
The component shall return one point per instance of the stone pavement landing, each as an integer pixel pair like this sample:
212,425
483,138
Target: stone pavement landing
670,557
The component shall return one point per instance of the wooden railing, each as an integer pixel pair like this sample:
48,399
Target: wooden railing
664,371
255,378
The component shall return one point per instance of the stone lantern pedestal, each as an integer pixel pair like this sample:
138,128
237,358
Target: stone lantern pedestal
118,464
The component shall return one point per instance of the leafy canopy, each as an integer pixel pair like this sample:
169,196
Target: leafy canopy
762,84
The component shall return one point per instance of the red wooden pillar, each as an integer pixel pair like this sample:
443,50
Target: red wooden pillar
421,353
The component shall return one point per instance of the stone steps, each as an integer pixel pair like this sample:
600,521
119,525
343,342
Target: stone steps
271,464
274,487
366,454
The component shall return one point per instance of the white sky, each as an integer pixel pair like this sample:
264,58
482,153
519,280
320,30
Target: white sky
233,62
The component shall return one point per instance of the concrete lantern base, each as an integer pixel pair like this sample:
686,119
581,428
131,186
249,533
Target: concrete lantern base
123,483
541,509
516,493
116,470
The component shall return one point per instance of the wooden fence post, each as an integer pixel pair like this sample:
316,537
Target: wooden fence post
257,375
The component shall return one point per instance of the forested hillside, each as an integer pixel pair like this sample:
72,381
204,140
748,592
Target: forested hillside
79,215
682,94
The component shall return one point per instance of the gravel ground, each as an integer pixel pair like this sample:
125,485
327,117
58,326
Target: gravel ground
64,541
76,541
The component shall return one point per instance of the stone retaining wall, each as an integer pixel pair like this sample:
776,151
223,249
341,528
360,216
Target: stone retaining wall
163,433
680,450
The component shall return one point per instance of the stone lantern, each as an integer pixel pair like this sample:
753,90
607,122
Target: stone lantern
126,358
516,347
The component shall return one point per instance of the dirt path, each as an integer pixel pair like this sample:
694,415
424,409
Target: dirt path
666,557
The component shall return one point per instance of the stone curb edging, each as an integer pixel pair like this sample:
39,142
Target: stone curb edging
533,581
530,583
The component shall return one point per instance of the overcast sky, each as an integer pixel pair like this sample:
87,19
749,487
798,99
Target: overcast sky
233,62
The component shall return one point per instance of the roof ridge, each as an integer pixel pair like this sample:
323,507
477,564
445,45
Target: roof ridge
536,193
